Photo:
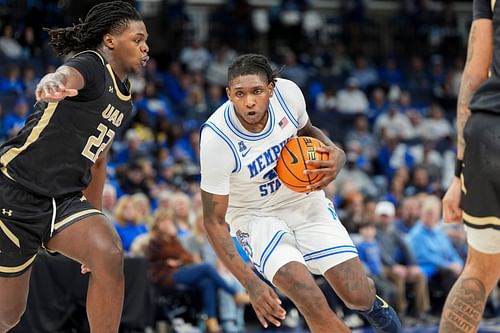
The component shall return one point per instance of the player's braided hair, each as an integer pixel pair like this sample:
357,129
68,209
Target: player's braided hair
249,64
106,17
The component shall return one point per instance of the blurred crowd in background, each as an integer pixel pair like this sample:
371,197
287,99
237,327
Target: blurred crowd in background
384,90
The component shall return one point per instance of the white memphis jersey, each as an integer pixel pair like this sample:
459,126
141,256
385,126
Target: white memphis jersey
241,164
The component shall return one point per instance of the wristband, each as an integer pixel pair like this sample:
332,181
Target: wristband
459,165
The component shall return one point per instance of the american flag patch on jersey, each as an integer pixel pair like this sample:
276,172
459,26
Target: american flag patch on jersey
283,122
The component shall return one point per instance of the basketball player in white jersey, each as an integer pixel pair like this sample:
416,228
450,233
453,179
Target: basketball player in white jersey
286,234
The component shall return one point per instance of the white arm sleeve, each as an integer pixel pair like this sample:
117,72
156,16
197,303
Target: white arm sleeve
217,162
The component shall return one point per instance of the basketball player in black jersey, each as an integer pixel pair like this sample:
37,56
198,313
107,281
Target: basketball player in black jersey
52,173
474,194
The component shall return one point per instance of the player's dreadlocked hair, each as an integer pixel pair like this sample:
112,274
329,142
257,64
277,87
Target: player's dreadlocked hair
106,17
249,64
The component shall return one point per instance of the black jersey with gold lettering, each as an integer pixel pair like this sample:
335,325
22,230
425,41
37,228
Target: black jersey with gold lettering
53,153
486,97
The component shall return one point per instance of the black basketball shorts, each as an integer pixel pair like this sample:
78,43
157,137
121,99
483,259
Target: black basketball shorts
26,221
481,172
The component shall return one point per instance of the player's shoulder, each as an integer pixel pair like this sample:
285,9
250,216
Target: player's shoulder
289,92
90,55
287,86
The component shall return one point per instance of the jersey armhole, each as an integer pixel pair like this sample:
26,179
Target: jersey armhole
225,138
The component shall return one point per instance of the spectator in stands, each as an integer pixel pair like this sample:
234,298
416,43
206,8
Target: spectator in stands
390,74
393,123
369,252
378,104
361,133
13,122
436,127
365,73
126,221
352,210
399,263
109,199
172,265
355,175
132,179
183,216
196,57
231,314
418,81
434,251
9,46
408,215
294,70
352,99
326,100
11,82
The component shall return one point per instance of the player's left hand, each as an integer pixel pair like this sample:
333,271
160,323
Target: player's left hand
452,213
329,168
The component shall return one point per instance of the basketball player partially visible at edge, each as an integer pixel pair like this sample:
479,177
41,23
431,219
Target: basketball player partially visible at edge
286,234
53,172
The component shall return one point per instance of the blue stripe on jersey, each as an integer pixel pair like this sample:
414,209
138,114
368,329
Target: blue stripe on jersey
283,104
246,136
229,143
269,249
331,254
315,254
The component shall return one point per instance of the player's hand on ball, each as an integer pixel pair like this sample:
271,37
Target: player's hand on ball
328,168
266,304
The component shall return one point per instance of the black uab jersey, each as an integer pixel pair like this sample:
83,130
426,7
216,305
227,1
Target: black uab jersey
486,97
53,153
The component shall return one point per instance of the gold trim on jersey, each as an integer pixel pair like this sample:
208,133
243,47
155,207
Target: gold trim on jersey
481,220
17,269
462,181
12,153
70,218
6,173
118,91
10,235
493,5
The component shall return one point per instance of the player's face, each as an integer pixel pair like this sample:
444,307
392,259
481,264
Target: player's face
130,52
250,96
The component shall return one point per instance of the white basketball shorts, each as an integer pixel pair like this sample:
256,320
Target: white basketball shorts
307,232
484,240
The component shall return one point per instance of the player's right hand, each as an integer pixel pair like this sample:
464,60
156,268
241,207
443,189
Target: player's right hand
53,91
452,213
266,304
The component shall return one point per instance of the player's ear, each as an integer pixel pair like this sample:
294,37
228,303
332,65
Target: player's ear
109,41
270,88
228,93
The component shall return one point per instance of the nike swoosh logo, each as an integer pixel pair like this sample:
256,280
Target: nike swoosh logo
384,303
295,160
245,153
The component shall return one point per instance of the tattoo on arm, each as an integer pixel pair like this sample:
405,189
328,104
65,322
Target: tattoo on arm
464,306
209,211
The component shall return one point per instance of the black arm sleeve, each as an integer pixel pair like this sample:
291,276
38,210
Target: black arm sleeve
93,72
482,9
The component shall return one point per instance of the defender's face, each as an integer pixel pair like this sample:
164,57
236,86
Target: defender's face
130,49
250,96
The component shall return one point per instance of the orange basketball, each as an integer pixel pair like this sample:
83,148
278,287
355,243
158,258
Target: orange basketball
292,162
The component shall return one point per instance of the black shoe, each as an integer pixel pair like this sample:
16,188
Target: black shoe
382,317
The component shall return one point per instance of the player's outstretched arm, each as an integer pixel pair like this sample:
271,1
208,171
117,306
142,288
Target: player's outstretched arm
265,302
64,82
477,65
336,157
